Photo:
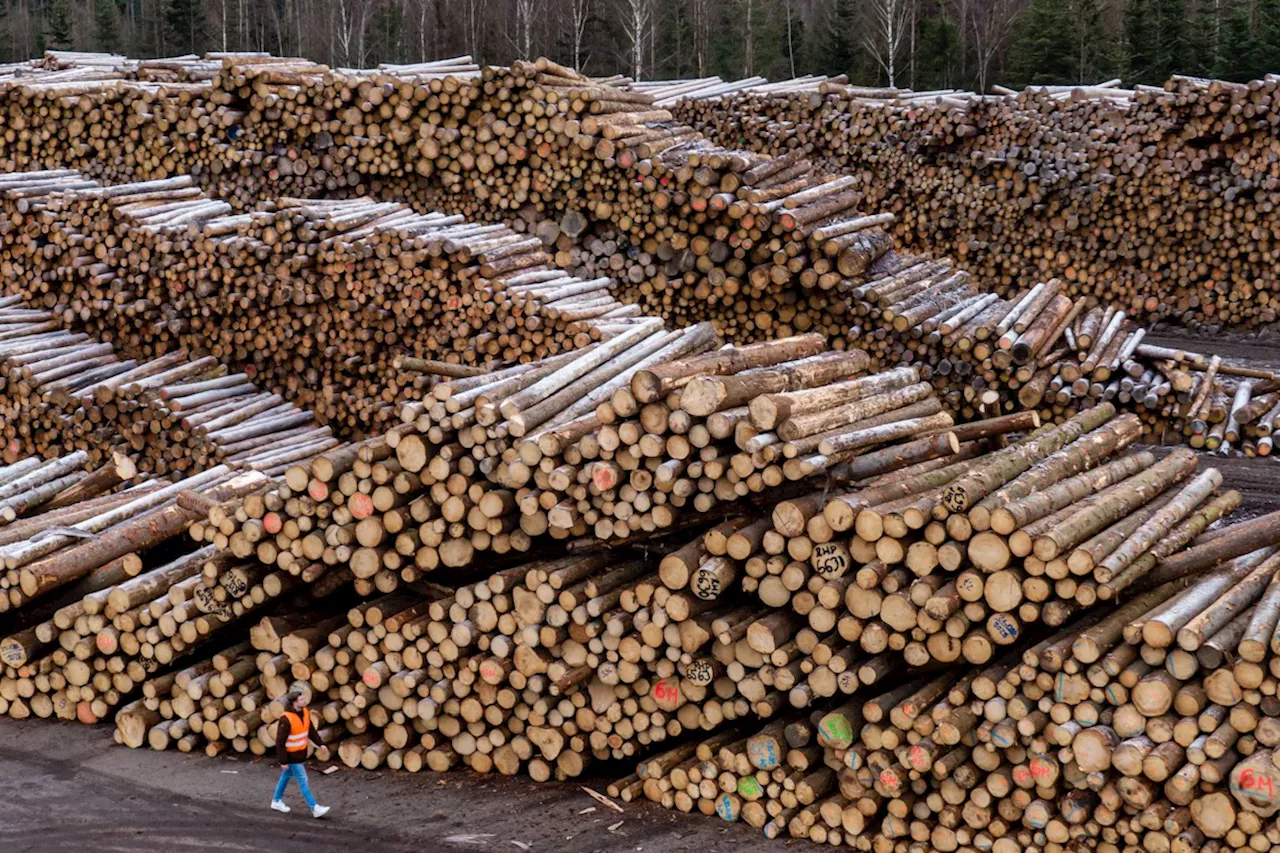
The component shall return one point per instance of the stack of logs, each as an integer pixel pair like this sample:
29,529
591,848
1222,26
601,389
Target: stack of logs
65,392
1041,350
312,299
632,437
440,489
1051,181
761,247
556,152
546,663
97,599
1150,726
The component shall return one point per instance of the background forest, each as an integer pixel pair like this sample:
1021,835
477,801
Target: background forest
921,44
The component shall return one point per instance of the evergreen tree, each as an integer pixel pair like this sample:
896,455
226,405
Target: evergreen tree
388,33
1044,48
770,49
1095,47
939,54
838,52
1206,41
1157,36
795,45
1061,42
6,36
186,27
57,26
106,28
675,52
726,42
1266,36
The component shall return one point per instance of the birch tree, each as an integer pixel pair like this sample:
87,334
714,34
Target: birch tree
888,24
524,28
579,17
637,16
351,20
992,22
474,21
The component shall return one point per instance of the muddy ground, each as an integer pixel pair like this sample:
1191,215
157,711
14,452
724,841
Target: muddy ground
67,787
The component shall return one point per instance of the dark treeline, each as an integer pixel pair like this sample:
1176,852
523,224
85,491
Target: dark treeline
922,44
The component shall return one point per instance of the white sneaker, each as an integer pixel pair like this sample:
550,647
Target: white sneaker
279,806
320,811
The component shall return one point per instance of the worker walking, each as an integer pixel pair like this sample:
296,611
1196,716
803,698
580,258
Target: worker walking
292,734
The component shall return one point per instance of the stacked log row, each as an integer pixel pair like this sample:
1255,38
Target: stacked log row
701,621
312,299
98,600
173,414
1040,350
958,557
564,448
1148,725
484,674
1051,181
561,152
39,359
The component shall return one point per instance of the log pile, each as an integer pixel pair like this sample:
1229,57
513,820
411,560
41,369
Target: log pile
1041,350
99,599
312,299
730,553
556,153
786,612
544,665
394,507
762,248
629,439
1051,182
1149,725
173,414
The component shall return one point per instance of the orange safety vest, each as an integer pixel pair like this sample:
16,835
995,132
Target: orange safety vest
298,728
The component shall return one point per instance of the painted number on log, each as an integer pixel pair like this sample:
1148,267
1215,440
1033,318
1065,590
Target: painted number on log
13,654
205,600
700,672
706,586
830,559
234,583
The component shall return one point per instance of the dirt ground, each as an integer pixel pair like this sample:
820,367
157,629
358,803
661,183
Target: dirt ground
1253,349
67,787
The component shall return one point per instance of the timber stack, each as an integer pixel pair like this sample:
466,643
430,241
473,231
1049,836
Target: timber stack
173,414
775,616
638,435
560,153
727,554
544,665
301,295
96,599
761,247
392,508
1053,181
1149,725
67,391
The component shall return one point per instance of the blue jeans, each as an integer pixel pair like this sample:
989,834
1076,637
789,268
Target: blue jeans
295,771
